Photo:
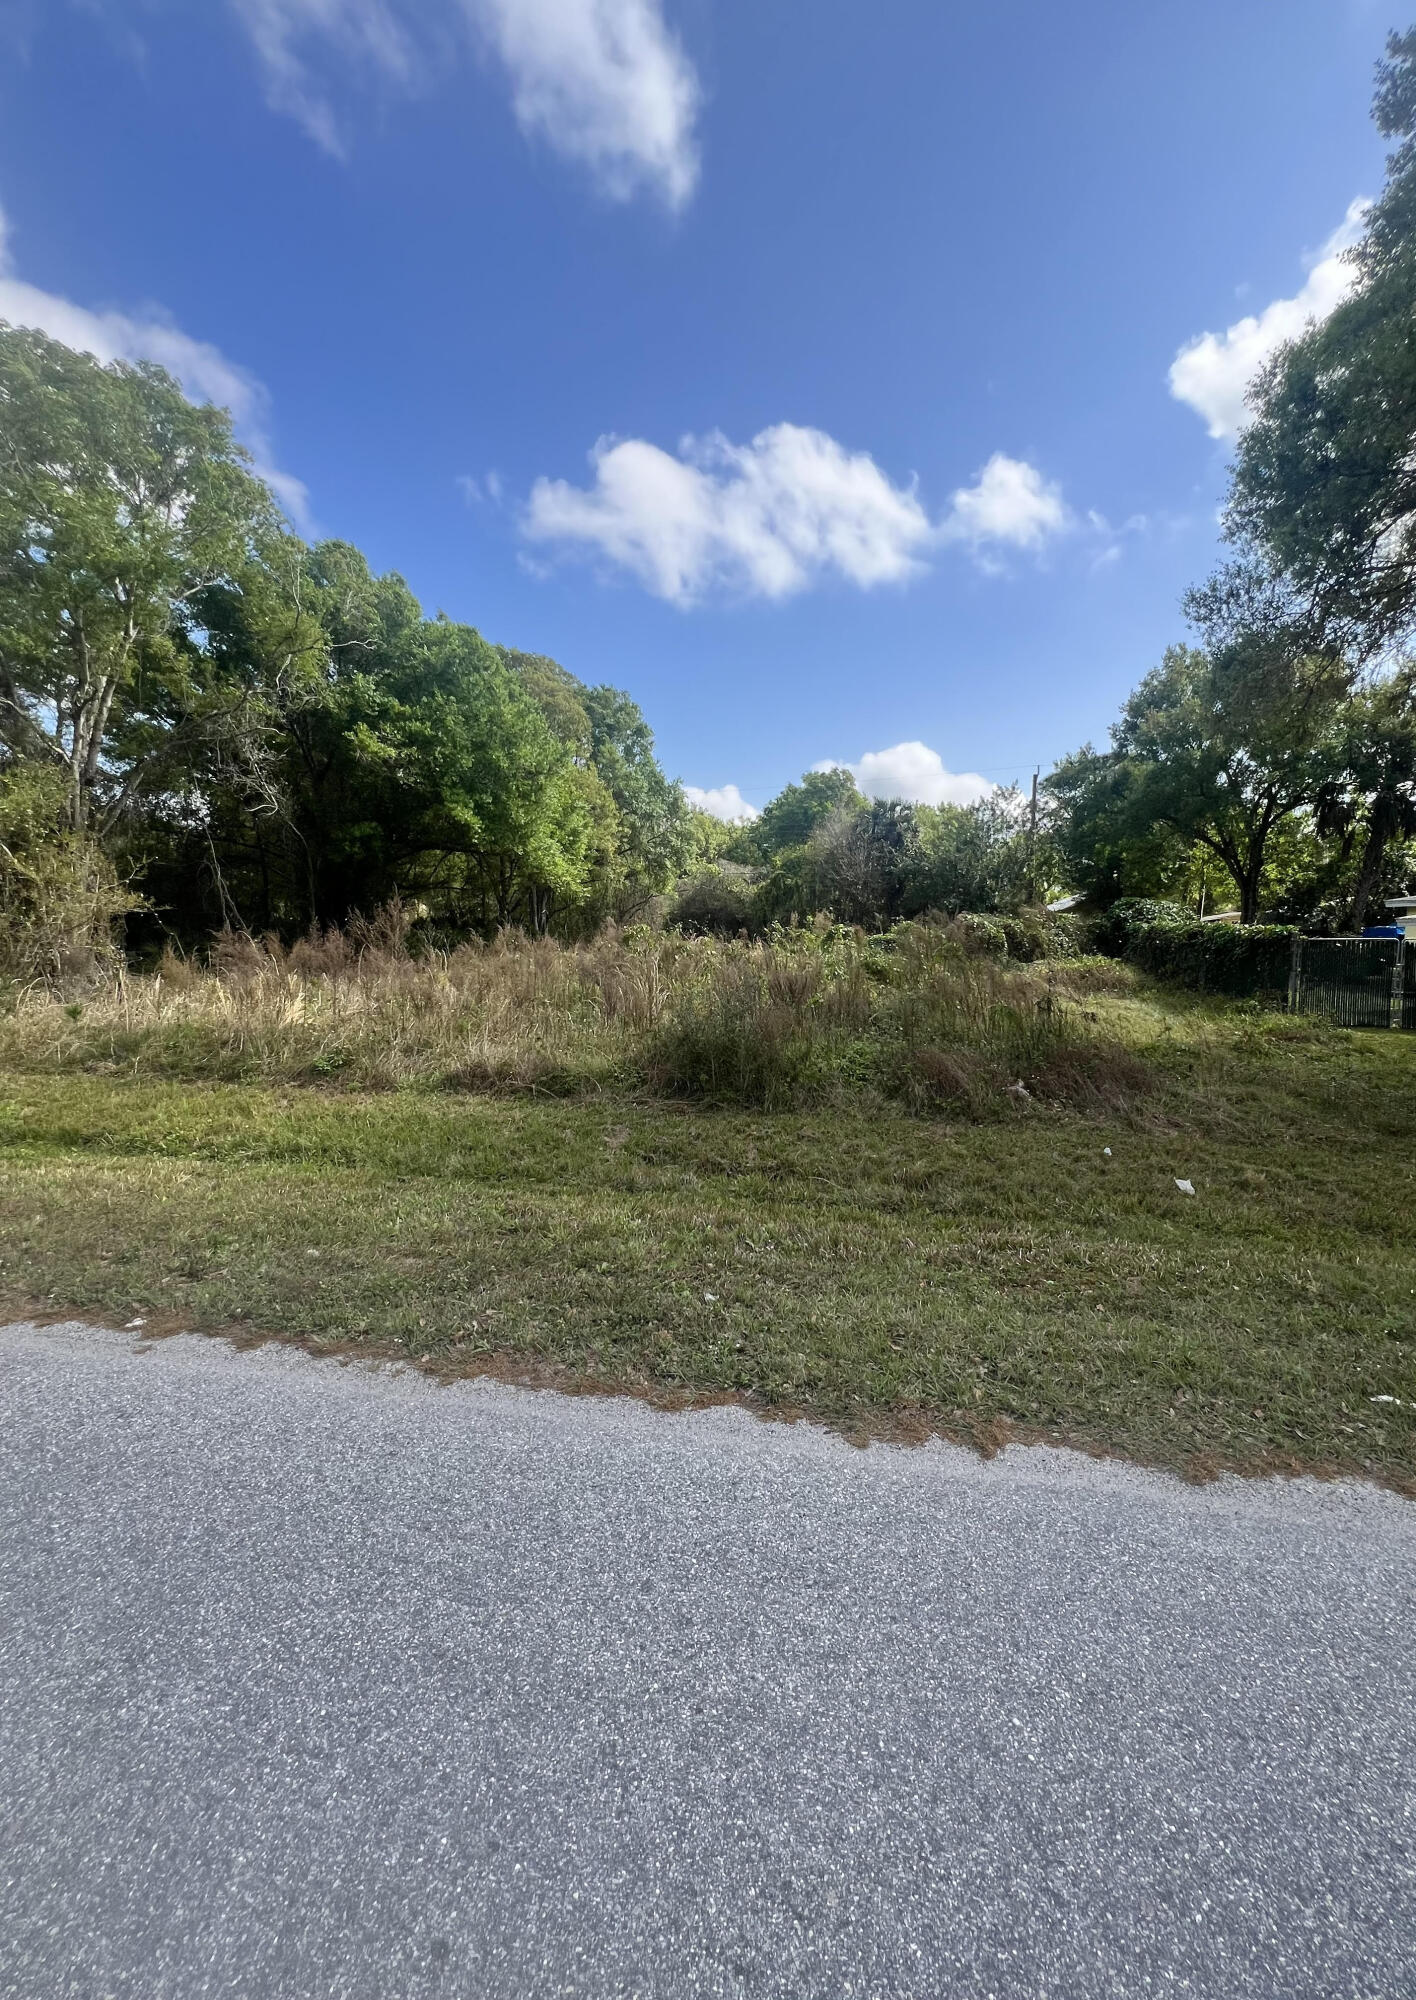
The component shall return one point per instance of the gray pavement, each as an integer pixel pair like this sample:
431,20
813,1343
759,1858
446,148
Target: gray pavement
317,1681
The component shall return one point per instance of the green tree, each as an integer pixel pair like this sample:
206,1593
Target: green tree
1324,481
971,857
1216,749
1371,804
790,819
59,895
122,507
655,839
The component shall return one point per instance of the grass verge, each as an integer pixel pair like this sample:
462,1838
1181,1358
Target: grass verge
886,1273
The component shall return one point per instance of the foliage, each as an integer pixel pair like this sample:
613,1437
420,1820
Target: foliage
59,896
123,511
789,820
720,898
1164,939
1325,475
975,857
266,735
1216,748
820,847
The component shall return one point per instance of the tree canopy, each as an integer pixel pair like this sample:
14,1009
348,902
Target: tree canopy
268,735
1324,481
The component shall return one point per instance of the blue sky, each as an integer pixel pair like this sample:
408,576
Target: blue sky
805,370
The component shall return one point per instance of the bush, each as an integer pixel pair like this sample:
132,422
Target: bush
59,894
1248,961
718,901
1026,936
1130,916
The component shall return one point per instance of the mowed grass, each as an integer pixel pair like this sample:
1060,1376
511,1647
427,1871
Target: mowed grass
889,1273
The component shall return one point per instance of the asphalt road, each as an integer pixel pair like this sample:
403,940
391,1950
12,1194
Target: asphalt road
322,1682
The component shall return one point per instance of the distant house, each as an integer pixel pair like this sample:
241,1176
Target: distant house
1403,912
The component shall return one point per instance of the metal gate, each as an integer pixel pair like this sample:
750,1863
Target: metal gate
1359,982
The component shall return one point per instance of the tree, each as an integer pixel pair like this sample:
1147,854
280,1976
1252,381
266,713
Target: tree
59,894
1324,481
654,832
793,816
861,858
269,735
1373,798
971,857
1105,849
121,507
1219,747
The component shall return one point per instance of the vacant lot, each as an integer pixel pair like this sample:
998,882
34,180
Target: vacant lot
888,1269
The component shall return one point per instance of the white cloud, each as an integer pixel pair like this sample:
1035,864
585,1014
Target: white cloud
1213,372
605,83
767,519
206,375
914,772
722,801
1010,504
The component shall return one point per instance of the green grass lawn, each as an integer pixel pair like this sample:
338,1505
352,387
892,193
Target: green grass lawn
888,1273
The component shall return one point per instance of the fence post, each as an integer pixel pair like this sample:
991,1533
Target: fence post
1398,983
1295,974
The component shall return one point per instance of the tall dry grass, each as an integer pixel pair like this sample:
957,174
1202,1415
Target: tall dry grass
800,1017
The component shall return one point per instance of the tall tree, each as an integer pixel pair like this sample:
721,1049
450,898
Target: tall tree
121,508
1217,749
1371,803
1324,481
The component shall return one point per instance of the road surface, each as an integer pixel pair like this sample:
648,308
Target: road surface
321,1681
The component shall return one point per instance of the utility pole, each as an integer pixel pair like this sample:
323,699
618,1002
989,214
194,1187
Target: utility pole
1031,884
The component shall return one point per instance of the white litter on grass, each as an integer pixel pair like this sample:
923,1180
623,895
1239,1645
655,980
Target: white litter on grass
1186,1187
1388,1399
134,1323
1106,1152
710,1298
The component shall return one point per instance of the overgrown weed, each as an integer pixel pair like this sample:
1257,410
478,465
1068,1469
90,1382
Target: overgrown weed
805,1016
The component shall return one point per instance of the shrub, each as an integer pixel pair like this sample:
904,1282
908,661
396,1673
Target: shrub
59,894
720,901
1112,933
1026,936
1164,939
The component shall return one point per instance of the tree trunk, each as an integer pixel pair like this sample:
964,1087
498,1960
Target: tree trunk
1371,868
1249,880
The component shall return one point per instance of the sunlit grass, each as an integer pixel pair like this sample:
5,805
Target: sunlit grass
859,1261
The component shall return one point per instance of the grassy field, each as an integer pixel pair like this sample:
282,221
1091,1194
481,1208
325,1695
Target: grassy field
890,1270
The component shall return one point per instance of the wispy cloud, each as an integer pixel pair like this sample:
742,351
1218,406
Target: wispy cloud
361,32
1212,373
771,517
912,772
477,492
605,83
205,373
722,801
